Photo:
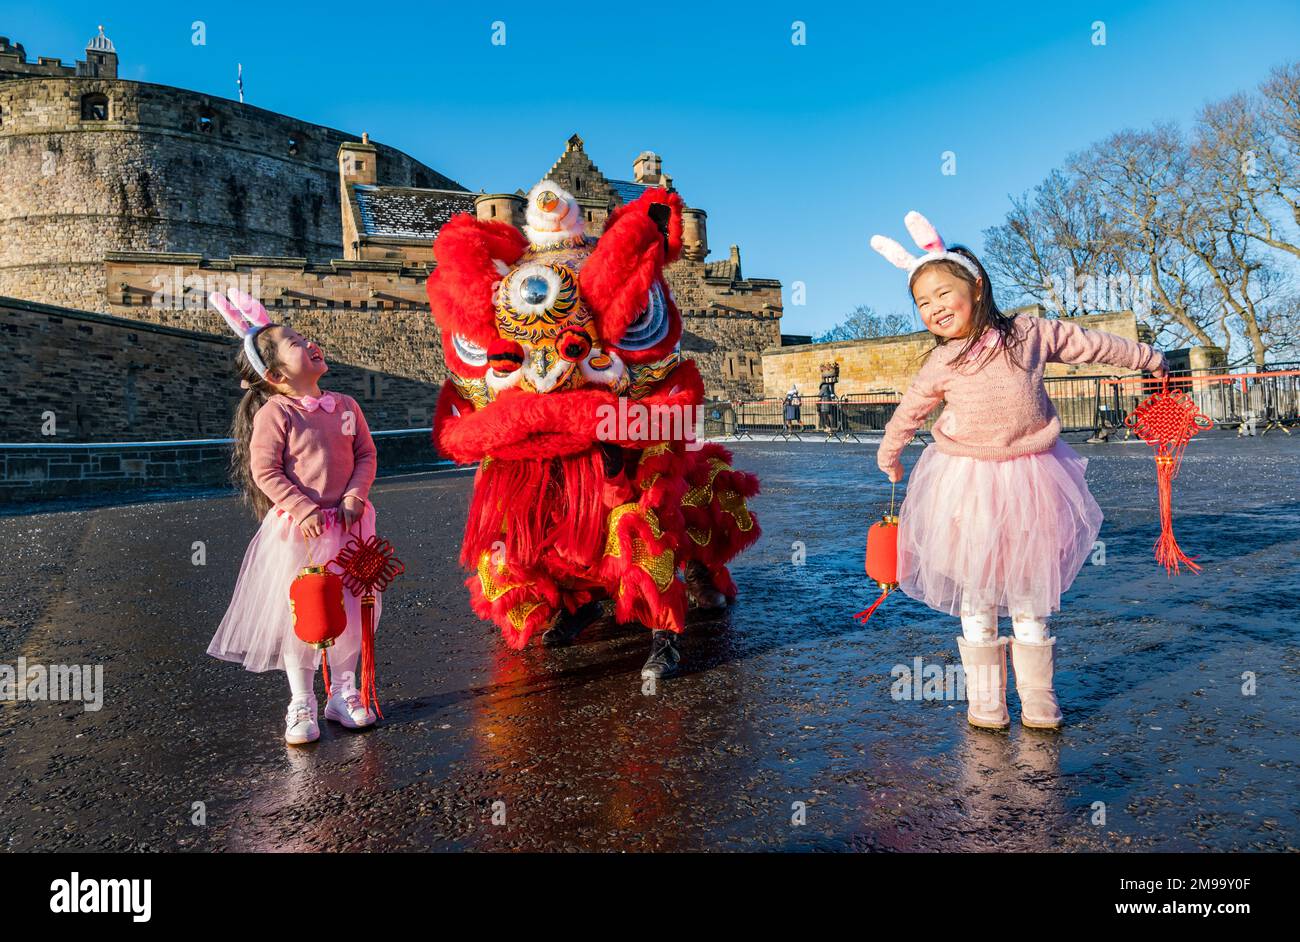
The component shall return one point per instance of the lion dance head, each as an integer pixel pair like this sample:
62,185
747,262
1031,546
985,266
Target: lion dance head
567,387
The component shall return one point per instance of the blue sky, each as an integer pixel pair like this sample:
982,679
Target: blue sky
797,153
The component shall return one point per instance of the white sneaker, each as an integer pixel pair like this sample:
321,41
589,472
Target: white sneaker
300,723
345,707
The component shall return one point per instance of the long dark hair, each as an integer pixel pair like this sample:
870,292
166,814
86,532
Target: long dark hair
985,313
241,429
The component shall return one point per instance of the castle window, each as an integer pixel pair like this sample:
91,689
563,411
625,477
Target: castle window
577,184
494,211
94,107
296,144
206,119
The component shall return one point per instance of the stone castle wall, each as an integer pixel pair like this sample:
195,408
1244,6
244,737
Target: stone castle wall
375,315
168,171
726,326
108,379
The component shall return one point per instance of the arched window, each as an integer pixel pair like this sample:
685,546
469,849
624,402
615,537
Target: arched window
94,107
296,144
206,119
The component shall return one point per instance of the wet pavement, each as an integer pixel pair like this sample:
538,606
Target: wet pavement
782,734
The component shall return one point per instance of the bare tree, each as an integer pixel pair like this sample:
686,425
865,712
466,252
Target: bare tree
863,322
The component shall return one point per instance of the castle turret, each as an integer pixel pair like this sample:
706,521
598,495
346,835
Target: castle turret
648,168
695,238
357,161
501,207
101,58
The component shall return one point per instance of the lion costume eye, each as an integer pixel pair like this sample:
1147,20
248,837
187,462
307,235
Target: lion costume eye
652,326
467,350
534,290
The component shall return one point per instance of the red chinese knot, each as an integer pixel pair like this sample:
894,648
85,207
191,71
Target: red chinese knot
1166,421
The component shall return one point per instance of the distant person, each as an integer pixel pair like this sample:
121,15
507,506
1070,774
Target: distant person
998,519
305,461
826,406
790,411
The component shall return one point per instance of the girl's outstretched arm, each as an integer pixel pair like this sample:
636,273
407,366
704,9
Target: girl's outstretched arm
266,461
921,398
1067,342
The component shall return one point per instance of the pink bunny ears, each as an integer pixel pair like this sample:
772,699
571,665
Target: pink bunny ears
927,239
246,318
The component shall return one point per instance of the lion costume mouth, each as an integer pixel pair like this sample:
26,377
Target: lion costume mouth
520,425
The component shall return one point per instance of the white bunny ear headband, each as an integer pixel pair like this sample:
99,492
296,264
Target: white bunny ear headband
246,318
927,238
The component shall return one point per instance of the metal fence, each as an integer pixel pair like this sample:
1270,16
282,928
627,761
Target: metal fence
1093,404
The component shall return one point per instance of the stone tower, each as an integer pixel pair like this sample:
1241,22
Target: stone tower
101,58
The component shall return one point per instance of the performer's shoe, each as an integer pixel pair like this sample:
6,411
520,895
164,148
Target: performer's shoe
1034,663
566,629
665,657
300,722
985,665
345,707
700,587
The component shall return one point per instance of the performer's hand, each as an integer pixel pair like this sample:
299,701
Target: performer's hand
312,526
351,510
1161,369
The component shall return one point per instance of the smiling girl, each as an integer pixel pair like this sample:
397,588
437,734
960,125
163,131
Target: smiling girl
305,461
998,519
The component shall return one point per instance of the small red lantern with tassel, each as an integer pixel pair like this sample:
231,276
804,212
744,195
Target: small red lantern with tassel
882,557
368,566
1167,421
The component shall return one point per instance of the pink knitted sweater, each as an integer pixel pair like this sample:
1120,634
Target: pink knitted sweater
304,460
1000,411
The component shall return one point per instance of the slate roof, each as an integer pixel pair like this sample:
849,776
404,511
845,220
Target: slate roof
407,212
627,191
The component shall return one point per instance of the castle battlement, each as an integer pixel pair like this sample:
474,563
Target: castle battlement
100,61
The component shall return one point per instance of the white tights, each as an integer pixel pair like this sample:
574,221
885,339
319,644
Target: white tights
342,659
981,624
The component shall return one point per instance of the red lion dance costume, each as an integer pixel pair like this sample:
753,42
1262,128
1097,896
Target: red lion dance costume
563,353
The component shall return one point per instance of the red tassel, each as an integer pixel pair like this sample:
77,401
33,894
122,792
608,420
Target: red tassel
369,692
325,670
863,615
1168,552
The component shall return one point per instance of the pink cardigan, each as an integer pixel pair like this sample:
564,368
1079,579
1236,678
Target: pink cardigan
304,460
1000,411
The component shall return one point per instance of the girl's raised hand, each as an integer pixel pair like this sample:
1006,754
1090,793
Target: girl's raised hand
312,526
894,472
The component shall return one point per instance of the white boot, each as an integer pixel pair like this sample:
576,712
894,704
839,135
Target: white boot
344,705
300,722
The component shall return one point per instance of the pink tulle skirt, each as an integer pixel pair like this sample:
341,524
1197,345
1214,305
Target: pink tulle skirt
975,534
257,629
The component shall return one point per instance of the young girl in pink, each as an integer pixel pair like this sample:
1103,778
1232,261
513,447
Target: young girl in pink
998,519
305,460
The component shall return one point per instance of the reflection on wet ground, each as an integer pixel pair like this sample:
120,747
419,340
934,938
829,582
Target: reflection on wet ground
782,734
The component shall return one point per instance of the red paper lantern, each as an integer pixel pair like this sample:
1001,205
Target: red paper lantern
882,559
316,600
882,551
